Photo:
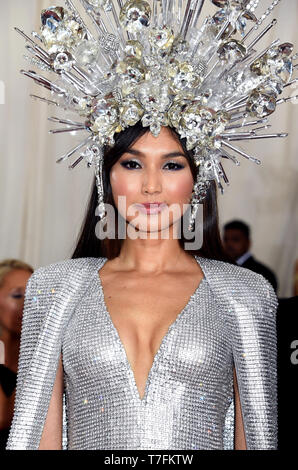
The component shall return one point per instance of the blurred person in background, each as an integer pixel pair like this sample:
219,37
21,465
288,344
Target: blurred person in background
287,328
237,243
14,275
296,278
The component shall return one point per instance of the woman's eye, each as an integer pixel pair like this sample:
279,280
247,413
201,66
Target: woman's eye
129,164
17,296
175,166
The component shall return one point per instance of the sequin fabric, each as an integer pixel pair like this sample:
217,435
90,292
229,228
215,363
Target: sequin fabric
230,320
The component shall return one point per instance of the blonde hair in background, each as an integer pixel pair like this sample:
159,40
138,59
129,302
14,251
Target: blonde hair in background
10,264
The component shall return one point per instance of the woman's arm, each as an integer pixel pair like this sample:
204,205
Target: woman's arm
240,441
51,438
254,344
52,293
39,379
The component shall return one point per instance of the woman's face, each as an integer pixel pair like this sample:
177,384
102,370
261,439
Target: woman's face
12,294
154,169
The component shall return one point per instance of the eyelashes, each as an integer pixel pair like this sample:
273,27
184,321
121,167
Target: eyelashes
126,164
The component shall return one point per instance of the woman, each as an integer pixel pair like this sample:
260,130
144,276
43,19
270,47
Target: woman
152,344
14,275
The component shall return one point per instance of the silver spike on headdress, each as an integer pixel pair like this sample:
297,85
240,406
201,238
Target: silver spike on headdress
156,62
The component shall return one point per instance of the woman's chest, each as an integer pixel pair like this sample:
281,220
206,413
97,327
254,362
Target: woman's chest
197,339
142,314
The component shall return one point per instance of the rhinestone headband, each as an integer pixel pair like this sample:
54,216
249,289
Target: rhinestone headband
155,61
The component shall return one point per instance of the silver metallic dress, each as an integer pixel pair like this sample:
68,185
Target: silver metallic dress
229,321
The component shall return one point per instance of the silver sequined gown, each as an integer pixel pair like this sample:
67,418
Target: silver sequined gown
188,404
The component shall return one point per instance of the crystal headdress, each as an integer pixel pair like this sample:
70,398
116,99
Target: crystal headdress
157,62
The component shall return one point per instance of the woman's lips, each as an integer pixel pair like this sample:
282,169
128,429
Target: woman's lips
151,208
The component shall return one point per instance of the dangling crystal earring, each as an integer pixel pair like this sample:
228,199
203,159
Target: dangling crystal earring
199,190
98,163
198,195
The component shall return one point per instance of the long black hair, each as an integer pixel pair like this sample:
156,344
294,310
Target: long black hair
89,245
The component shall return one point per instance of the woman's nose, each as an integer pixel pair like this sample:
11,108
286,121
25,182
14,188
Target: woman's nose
152,181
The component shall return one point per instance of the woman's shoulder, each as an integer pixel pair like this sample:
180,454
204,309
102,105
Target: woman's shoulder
234,277
65,269
240,290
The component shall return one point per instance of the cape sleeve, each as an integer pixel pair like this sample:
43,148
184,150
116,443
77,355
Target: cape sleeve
40,348
254,348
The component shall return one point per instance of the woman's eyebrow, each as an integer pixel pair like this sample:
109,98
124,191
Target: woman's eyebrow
166,155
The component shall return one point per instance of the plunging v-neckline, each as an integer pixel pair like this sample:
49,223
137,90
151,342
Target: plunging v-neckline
143,399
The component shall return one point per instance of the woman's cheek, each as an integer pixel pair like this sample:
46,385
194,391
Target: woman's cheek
11,314
124,186
180,190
